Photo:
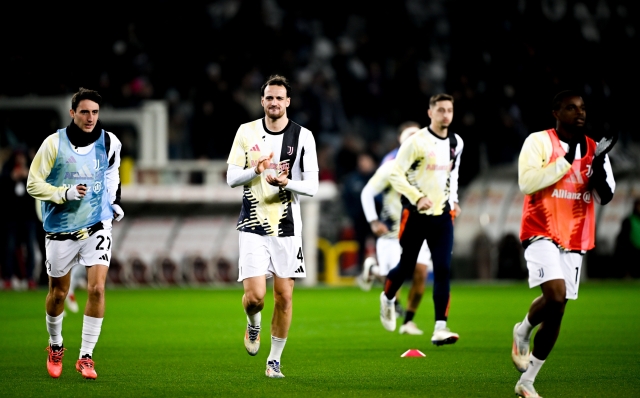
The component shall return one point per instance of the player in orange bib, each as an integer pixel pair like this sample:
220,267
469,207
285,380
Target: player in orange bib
562,172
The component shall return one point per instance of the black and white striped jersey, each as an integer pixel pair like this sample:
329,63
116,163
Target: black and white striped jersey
266,209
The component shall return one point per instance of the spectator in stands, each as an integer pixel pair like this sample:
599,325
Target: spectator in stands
627,250
21,221
346,160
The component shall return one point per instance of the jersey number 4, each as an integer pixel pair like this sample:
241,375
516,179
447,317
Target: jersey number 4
299,256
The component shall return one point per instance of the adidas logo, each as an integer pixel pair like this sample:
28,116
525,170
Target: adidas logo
104,257
575,177
255,148
299,270
83,173
71,159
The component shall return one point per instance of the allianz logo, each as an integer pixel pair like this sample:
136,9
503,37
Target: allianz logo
96,186
564,194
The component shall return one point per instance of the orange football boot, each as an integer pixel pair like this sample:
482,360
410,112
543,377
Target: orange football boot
85,367
54,361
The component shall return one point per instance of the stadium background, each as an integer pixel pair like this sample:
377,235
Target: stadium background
356,72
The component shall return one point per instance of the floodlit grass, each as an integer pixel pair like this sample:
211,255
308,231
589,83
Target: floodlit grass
188,342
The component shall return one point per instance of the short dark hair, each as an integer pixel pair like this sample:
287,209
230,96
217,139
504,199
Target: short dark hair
406,125
440,97
276,80
557,100
85,94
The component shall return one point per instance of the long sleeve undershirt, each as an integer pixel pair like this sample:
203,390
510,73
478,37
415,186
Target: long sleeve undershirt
536,172
237,176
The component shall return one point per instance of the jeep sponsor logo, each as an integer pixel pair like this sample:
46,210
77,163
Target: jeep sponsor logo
97,187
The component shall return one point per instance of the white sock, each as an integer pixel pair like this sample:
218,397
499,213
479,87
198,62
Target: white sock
277,345
54,327
532,371
525,329
90,333
255,319
440,325
391,301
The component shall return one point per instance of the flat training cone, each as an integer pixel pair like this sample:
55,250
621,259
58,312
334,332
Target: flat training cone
413,353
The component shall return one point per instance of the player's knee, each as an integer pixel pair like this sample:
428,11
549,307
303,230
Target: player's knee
442,276
253,300
283,300
555,296
554,307
421,272
95,292
58,295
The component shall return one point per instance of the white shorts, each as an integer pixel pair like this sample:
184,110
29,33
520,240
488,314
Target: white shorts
62,255
270,255
388,251
546,262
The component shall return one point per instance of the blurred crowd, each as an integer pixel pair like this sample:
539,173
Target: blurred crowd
357,72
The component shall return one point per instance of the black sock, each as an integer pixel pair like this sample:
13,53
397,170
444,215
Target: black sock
408,317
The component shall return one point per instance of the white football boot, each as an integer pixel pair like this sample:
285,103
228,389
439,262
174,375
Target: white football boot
410,328
387,313
252,339
520,351
71,303
524,389
273,370
366,279
444,336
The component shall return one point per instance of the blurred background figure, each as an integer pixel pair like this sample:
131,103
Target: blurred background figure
78,280
627,250
352,186
19,222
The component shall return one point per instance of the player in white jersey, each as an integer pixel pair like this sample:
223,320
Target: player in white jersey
385,224
425,173
275,161
75,176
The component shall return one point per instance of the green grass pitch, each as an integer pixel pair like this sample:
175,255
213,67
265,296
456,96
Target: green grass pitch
188,342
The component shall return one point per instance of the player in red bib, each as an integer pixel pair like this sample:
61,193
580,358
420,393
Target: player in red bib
562,172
